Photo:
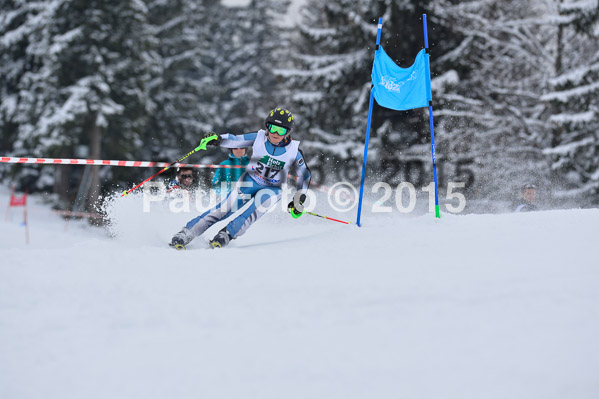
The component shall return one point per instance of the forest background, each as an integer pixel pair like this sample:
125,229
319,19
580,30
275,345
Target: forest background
515,90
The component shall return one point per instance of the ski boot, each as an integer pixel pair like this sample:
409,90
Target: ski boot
221,239
181,239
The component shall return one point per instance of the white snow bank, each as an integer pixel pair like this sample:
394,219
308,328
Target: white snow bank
476,306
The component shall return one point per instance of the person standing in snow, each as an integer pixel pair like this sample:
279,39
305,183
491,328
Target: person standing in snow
183,180
528,196
274,153
182,185
229,176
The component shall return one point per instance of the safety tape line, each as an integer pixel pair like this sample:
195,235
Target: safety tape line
132,164
78,214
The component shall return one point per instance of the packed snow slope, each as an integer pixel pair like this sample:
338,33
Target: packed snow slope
465,307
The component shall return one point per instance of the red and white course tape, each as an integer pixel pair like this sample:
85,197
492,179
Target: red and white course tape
132,164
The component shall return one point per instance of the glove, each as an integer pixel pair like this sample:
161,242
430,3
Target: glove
214,142
296,207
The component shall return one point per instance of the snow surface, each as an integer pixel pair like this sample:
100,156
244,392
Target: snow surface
472,306
236,3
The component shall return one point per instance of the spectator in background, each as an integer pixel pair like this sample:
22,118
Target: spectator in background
229,176
183,181
528,195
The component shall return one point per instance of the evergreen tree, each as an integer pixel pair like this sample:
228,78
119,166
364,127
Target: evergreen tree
572,143
490,117
186,88
87,68
24,78
250,47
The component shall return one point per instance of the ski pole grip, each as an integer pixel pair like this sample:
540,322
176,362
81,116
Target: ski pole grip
295,215
205,142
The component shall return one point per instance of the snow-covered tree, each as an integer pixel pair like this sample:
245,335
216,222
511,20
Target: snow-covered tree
186,88
80,77
23,35
490,119
572,143
251,45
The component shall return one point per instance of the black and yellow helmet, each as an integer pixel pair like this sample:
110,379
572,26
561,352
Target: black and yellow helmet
280,117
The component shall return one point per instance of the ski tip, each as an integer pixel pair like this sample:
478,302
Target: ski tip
178,247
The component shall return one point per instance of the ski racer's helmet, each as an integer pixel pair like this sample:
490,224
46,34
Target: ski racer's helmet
279,117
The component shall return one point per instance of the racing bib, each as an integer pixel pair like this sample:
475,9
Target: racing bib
270,170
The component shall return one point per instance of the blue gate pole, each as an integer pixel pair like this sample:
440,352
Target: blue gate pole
378,41
430,116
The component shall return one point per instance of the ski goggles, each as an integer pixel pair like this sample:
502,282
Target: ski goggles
281,131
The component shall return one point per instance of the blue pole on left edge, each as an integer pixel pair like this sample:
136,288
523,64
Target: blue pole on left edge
378,41
430,117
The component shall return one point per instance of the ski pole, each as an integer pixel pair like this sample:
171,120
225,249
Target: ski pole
326,217
202,146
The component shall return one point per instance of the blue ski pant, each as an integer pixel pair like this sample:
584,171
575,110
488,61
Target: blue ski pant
246,190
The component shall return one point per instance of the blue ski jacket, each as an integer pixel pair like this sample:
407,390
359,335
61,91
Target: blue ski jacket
229,175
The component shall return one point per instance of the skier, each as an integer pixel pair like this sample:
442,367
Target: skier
273,154
229,176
